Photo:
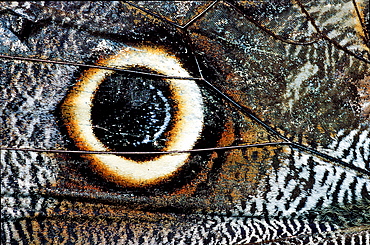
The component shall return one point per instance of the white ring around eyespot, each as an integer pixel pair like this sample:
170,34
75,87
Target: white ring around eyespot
188,124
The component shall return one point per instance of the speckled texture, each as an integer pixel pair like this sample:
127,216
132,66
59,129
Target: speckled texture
315,95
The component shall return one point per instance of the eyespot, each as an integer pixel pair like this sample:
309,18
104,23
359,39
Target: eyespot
187,118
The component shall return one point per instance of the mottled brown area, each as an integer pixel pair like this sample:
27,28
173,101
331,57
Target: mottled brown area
260,78
364,99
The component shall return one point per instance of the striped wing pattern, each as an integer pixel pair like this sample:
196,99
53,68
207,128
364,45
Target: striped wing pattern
260,195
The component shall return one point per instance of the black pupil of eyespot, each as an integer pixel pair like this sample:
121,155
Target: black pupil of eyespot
132,113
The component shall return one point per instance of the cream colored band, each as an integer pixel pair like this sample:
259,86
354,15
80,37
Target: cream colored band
187,128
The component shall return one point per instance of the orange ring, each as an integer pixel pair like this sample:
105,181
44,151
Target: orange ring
186,131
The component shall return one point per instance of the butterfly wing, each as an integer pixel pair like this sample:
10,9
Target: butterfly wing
309,94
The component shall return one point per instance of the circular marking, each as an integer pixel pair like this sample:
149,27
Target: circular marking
188,125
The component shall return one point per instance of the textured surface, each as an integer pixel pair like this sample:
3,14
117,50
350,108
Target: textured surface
315,95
